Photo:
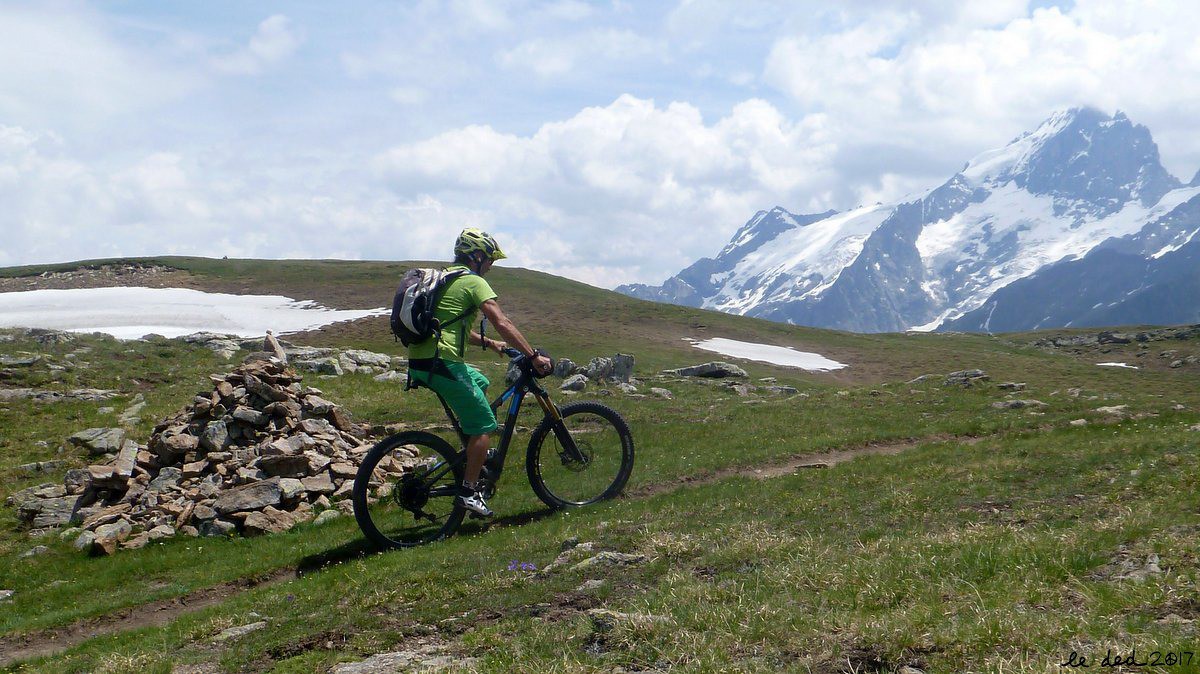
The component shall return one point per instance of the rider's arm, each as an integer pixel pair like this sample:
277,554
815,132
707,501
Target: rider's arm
491,309
487,342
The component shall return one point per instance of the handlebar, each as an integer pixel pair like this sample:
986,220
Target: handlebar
525,361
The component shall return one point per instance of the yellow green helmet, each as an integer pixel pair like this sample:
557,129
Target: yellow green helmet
473,239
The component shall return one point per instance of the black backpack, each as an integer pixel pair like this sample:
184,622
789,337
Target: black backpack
416,301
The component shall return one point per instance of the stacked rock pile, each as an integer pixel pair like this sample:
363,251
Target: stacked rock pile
258,453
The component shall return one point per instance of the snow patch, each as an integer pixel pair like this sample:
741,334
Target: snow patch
130,313
1125,365
778,355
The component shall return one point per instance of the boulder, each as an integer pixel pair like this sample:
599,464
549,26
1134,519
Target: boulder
966,378
215,437
1017,404
563,368
622,367
320,366
98,441
713,369
599,369
253,496
268,521
109,536
662,393
576,382
360,357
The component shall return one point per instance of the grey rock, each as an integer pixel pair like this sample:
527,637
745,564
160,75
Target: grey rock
284,465
215,437
576,382
662,393
626,388
216,527
622,367
563,368
239,631
1017,404
317,405
108,536
168,478
327,515
6,595
290,488
253,496
368,358
1114,410
1011,386
390,375
98,441
608,558
84,541
40,467
34,552
599,369
250,416
320,366
781,390
965,378
430,658
713,369
161,531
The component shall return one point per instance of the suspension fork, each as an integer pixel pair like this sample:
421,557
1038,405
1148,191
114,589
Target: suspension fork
560,429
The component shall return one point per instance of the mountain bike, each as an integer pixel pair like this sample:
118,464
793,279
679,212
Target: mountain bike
579,454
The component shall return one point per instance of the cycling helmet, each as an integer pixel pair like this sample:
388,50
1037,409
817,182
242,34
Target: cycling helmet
472,239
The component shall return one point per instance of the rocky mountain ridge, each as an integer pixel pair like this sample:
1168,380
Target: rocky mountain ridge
1022,237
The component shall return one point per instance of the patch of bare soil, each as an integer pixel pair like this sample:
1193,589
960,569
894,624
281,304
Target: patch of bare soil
102,276
792,464
153,614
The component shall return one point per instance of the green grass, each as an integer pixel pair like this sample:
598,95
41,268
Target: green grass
998,556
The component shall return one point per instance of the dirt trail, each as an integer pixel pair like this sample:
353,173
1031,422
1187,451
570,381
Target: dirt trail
791,464
153,614
54,640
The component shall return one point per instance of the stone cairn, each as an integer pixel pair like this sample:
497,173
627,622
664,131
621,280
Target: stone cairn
257,454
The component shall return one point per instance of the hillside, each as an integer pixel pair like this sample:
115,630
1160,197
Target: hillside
874,519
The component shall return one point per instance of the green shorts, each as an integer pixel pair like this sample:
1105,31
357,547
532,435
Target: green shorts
463,392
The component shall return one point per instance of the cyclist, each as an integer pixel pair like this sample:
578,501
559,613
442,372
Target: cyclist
438,361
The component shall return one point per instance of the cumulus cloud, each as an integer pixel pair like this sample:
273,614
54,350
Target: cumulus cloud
890,78
274,41
58,207
549,57
64,65
614,190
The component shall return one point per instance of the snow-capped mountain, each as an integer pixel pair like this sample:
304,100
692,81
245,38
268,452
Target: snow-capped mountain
993,248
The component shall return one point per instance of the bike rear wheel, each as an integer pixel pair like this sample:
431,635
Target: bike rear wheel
405,491
598,472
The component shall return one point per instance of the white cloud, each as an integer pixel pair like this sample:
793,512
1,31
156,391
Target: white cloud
616,190
891,79
59,208
63,65
273,42
554,56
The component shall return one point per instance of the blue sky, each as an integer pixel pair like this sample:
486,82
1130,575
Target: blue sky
610,141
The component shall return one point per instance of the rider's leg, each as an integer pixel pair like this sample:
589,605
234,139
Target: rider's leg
477,449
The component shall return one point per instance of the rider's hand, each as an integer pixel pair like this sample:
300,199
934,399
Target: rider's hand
498,346
542,364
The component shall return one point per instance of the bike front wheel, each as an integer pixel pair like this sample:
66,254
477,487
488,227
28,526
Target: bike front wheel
596,468
405,491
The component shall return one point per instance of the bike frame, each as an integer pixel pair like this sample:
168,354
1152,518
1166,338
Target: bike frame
514,395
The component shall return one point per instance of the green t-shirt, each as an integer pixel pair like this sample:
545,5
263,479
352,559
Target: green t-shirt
464,294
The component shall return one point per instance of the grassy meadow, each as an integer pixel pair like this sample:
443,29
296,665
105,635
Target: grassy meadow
989,540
